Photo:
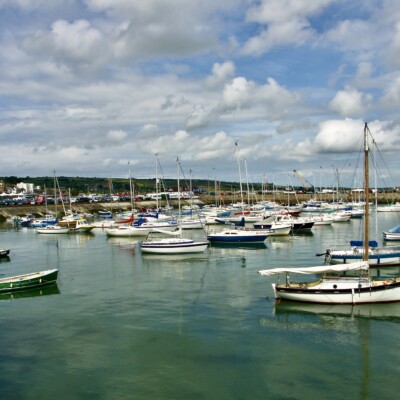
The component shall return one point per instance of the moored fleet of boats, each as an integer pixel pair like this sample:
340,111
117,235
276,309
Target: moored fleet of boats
343,279
163,232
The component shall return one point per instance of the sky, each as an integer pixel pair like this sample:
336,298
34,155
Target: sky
232,88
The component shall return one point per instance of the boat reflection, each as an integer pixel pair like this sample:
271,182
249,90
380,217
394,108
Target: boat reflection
41,291
248,246
388,311
5,259
176,257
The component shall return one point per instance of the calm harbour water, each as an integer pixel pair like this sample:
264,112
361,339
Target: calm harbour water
123,325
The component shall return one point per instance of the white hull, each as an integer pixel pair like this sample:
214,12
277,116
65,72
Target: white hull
190,224
322,221
354,291
52,229
131,231
173,246
280,231
391,208
381,256
124,231
238,236
391,236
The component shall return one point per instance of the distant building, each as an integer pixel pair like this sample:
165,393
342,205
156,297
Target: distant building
2,186
25,187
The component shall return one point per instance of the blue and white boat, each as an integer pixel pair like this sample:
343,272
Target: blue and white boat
49,219
105,214
376,255
392,233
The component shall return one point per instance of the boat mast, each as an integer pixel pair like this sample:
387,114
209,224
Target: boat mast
240,177
157,183
179,190
55,193
366,188
130,186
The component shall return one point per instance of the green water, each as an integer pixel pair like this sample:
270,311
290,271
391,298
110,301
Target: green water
123,325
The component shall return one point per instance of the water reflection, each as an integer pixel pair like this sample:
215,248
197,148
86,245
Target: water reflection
124,243
5,259
390,311
43,291
247,246
176,257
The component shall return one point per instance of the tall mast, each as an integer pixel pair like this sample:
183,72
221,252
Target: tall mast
179,190
366,188
55,192
240,176
156,179
130,185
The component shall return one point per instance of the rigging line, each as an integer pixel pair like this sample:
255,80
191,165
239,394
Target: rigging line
383,161
163,178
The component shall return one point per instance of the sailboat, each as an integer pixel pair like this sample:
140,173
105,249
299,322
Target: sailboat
376,255
339,284
52,228
175,245
237,234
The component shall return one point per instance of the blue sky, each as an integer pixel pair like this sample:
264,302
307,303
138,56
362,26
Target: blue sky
88,87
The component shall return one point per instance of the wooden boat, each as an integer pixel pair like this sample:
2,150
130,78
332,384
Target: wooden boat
340,284
28,281
334,286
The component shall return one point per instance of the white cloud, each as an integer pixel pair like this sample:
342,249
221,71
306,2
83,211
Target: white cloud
116,136
276,11
289,150
199,117
214,147
171,77
156,27
346,136
350,102
391,95
339,136
287,23
393,50
241,94
33,5
294,126
171,144
72,42
220,74
351,34
291,32
238,93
